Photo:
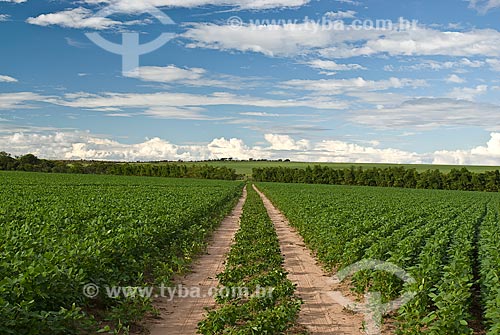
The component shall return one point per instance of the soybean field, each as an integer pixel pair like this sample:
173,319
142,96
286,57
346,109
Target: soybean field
60,232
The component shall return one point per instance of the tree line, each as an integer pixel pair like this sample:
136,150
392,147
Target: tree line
456,179
31,163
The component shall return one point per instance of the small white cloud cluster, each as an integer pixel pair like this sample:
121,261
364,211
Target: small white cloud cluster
7,79
328,67
79,18
484,6
196,77
482,155
349,14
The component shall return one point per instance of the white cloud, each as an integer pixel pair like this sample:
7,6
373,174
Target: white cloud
436,65
333,66
177,113
481,155
4,17
167,74
74,43
79,145
379,98
235,148
84,145
350,14
186,76
269,40
484,6
84,18
339,151
465,62
494,64
422,42
79,18
106,109
19,100
168,99
341,86
455,79
468,93
285,142
309,38
431,113
433,42
350,2
7,79
140,5
162,103
259,114
14,1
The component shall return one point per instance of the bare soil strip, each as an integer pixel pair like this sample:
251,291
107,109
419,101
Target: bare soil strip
181,315
320,314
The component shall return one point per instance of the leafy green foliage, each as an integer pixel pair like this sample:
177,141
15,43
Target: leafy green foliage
60,232
434,235
31,163
402,177
489,255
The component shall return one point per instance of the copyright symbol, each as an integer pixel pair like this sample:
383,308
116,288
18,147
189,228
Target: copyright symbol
235,22
91,291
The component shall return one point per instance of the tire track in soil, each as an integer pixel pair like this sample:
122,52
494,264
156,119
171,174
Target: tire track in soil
320,313
181,315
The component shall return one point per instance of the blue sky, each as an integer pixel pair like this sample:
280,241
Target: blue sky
352,81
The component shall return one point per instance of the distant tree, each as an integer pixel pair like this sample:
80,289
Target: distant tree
29,159
6,161
410,178
349,177
493,181
478,182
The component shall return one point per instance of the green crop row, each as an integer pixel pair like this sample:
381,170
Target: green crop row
254,263
441,238
489,255
61,232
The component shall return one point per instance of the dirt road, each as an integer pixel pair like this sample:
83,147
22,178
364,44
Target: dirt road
320,314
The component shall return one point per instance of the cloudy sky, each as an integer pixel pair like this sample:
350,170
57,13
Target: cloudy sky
314,80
